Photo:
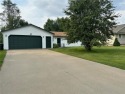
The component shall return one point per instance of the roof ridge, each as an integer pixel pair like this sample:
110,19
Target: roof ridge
119,25
26,26
121,29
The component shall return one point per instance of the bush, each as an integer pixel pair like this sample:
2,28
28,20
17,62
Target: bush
116,42
55,46
1,37
1,46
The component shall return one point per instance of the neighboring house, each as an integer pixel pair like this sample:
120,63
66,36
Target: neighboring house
60,39
27,37
119,32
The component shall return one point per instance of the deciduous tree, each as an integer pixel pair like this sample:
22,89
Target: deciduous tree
91,21
11,16
60,24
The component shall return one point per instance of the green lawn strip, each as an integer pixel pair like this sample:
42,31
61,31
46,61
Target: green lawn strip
2,55
112,56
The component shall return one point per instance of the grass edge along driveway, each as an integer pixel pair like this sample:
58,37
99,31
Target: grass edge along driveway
112,56
2,56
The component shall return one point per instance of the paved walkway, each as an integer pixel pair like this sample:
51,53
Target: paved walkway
48,72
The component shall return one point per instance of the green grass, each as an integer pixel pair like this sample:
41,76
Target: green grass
2,55
112,56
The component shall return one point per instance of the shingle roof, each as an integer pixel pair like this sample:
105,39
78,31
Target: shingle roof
59,34
118,29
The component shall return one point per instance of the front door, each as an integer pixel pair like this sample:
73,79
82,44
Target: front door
59,42
48,42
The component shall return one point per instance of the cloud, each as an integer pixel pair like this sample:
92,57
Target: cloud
38,11
121,19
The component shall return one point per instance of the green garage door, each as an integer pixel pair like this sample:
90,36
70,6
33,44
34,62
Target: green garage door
24,42
48,42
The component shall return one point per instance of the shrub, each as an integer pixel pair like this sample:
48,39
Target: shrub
116,42
1,37
55,46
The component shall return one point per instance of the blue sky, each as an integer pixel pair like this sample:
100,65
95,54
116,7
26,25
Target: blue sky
120,4
38,11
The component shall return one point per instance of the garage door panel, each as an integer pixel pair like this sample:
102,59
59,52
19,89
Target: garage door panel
24,42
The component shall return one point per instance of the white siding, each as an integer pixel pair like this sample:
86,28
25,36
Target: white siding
64,42
121,39
111,41
29,30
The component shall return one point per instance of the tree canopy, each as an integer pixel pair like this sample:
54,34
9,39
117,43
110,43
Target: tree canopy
60,24
91,21
11,16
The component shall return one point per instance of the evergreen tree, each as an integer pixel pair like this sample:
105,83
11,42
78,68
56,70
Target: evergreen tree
1,37
116,42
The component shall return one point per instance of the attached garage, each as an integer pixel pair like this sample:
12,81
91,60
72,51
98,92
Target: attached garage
25,42
28,37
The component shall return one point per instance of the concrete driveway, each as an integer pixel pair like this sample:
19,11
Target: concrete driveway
48,72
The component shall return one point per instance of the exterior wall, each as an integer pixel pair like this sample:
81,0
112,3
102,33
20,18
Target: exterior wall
121,39
64,42
29,30
111,41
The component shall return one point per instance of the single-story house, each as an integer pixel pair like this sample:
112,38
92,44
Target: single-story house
32,37
119,33
60,39
27,37
118,30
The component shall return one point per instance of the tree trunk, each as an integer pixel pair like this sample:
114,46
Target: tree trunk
88,47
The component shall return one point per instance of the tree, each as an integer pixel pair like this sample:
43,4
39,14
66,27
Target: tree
116,42
60,24
11,16
50,25
23,23
63,23
91,21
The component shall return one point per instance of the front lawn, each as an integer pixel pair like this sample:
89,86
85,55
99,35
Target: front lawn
2,55
112,56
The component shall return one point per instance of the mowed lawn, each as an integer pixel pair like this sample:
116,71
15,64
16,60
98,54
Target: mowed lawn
2,55
112,56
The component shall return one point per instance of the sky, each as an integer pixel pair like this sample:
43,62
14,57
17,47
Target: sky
38,11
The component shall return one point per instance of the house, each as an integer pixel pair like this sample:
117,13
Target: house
119,33
60,39
32,37
27,37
